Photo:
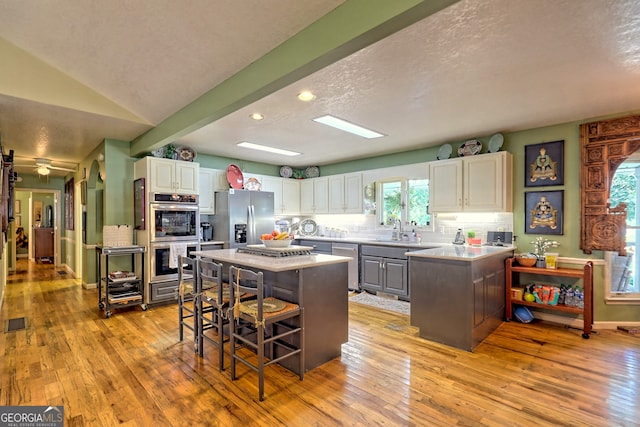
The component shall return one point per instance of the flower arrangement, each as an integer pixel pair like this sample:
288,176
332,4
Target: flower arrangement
542,244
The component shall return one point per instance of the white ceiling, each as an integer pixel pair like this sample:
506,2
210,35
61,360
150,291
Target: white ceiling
468,71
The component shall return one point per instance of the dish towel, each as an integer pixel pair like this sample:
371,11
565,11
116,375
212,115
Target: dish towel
176,250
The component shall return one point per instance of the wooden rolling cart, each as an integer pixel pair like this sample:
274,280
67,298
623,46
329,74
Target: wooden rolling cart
120,289
585,273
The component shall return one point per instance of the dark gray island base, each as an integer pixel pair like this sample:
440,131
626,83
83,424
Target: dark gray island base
458,298
325,305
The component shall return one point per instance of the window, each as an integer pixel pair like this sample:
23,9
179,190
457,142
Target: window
405,201
625,270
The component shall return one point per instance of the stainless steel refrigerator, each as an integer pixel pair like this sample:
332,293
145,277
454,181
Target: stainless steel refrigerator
242,216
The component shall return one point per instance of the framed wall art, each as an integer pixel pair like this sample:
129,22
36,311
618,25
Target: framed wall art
544,212
544,164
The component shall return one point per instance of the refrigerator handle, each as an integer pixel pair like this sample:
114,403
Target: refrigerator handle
252,226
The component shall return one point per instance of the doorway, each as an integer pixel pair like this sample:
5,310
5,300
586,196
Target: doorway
39,215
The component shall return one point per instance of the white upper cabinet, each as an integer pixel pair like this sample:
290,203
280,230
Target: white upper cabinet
481,183
168,176
286,194
209,179
445,186
314,196
345,193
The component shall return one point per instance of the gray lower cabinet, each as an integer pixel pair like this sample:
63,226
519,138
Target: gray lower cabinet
458,303
163,291
384,269
319,247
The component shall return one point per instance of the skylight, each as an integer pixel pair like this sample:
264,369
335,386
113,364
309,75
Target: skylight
253,146
346,126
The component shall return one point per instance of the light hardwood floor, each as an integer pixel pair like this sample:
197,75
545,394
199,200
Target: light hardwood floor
131,370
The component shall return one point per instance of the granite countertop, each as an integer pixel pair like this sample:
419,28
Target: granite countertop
461,252
271,263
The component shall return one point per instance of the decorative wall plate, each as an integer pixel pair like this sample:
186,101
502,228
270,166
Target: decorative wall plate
495,142
158,152
308,227
235,178
186,154
444,152
312,172
470,148
252,184
286,172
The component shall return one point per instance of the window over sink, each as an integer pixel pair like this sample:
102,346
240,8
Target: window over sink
405,201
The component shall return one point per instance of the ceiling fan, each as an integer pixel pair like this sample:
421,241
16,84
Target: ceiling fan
44,167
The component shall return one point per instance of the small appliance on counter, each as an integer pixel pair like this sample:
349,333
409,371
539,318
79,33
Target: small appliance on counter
206,231
283,225
459,239
499,238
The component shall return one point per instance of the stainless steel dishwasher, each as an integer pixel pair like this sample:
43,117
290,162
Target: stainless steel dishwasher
349,250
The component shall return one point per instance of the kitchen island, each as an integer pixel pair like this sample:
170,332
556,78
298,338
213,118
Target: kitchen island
458,292
324,299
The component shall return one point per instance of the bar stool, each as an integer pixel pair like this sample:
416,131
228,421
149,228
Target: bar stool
187,300
212,306
265,325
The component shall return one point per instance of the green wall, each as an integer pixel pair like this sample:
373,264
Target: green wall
515,143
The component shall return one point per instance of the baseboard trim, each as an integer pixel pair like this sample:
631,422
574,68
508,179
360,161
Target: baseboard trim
577,323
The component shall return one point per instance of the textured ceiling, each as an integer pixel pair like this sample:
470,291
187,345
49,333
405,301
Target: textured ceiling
117,69
469,71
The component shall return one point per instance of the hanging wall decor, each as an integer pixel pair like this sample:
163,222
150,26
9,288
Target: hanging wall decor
544,212
544,164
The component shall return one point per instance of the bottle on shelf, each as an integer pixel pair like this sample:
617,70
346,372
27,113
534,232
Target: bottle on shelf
579,298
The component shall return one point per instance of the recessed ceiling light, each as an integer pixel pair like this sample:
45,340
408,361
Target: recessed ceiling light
306,96
257,116
347,126
253,146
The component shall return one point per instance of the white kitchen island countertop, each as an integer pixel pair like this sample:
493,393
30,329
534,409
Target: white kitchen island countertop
461,252
270,263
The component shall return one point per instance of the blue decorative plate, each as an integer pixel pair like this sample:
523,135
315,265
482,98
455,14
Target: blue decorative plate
495,142
444,152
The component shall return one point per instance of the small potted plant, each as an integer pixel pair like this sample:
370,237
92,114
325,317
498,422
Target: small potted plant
541,245
471,238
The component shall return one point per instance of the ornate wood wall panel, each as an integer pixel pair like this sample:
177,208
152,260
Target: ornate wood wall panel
604,146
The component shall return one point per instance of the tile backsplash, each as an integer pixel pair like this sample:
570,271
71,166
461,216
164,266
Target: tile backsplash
443,230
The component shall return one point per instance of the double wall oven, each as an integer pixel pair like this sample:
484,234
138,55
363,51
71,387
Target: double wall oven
173,229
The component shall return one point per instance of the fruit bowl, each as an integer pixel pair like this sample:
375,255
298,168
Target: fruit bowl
285,243
526,261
